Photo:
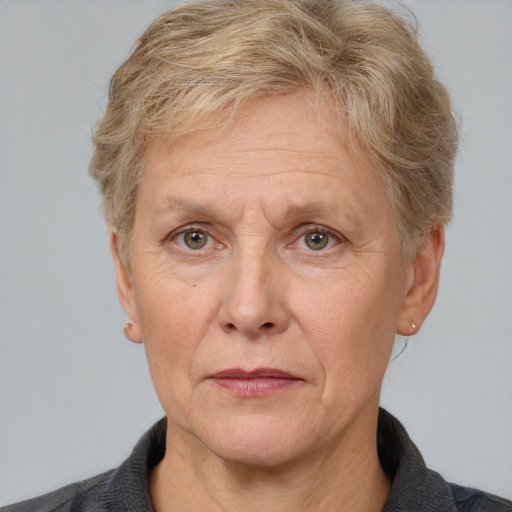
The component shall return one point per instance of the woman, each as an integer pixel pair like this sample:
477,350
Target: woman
276,177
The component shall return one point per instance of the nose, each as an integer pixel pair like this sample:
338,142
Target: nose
254,297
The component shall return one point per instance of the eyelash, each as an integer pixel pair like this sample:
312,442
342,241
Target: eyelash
309,229
333,237
172,237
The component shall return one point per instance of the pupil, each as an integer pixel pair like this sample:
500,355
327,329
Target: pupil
195,239
317,241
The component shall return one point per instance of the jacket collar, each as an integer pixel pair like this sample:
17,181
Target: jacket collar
414,487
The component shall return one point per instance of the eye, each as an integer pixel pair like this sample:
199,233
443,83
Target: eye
193,239
317,240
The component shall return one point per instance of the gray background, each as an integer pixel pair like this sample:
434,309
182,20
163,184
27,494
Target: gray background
75,395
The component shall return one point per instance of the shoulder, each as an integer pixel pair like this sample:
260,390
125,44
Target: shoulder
78,497
473,500
123,489
419,489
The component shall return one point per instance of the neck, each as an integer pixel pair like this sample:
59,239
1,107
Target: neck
343,477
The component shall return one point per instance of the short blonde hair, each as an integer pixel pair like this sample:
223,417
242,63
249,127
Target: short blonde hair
200,62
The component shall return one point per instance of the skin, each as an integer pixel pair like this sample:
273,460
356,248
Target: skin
258,296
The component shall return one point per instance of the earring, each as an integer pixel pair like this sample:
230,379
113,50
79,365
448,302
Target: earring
127,326
413,325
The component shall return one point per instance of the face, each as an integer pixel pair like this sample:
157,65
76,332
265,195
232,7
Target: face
266,284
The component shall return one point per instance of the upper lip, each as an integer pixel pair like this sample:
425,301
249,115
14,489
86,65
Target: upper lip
238,373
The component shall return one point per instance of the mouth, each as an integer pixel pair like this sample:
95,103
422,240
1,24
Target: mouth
258,382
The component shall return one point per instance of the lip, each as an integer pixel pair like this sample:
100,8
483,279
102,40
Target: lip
253,383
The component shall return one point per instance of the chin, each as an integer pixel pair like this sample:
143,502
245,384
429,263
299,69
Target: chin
258,441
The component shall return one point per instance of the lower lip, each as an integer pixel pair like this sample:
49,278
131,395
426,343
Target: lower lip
258,386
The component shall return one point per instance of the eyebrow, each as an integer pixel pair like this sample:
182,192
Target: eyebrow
293,211
307,210
176,203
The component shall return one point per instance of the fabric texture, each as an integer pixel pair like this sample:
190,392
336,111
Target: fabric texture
126,489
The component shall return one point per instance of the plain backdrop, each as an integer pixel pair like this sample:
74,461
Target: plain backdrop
75,395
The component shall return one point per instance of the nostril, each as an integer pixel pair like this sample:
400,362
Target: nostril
267,326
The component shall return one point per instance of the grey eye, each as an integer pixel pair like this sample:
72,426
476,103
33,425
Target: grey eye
316,240
195,239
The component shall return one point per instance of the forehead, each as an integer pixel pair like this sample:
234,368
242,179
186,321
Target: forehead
284,149
299,125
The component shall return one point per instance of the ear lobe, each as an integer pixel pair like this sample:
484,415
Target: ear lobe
125,292
423,284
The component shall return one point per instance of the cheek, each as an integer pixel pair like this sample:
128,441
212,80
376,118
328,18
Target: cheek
174,317
351,329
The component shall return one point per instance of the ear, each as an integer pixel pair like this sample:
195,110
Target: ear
422,285
126,292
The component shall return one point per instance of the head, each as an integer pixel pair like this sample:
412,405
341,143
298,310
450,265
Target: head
199,64
260,160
